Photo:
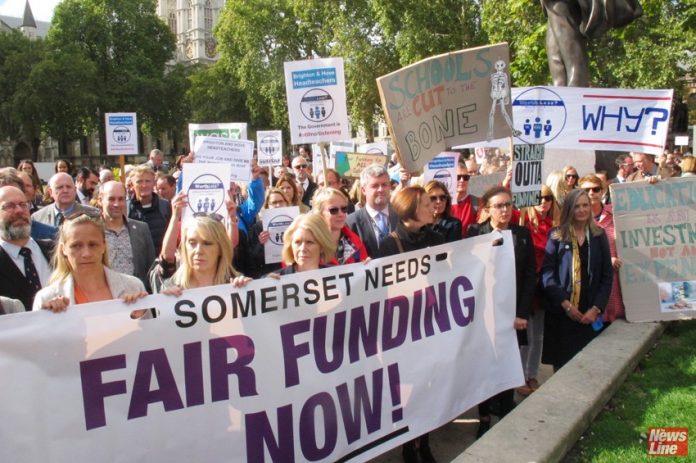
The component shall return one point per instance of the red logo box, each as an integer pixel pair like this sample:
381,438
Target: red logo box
668,442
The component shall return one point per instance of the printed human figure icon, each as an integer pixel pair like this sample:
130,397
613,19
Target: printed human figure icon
527,127
537,127
500,94
547,127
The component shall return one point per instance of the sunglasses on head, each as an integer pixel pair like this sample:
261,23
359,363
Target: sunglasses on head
593,189
213,215
436,198
463,177
334,210
92,214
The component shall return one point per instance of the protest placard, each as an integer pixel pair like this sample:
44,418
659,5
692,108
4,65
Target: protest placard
656,239
527,161
351,164
443,168
205,186
270,147
275,222
447,100
231,130
315,366
121,133
478,184
578,118
316,93
235,153
379,147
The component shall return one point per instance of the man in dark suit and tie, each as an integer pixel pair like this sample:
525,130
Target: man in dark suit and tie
24,263
128,241
300,166
374,221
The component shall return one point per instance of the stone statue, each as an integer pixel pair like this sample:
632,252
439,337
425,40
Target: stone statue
571,23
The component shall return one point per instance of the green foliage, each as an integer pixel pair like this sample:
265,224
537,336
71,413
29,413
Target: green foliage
17,57
661,394
128,47
214,96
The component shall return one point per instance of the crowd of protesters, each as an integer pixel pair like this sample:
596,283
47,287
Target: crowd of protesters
85,237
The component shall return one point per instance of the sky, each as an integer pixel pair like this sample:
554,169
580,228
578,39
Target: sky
42,9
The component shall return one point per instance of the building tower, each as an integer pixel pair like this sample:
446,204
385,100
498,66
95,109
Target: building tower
28,26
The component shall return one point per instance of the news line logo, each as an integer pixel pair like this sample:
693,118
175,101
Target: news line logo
668,442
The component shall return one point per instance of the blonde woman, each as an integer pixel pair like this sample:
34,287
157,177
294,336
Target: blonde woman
332,205
577,277
82,272
307,245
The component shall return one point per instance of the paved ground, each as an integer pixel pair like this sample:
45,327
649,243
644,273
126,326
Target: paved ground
450,440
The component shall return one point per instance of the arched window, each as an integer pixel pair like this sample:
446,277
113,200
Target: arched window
190,15
208,15
172,21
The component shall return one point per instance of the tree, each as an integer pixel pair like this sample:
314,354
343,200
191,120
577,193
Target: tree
18,55
129,47
214,96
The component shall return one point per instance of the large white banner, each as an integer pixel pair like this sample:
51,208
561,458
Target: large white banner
316,92
349,360
577,118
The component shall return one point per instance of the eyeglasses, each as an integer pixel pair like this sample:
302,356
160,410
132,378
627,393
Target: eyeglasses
12,206
499,206
594,189
547,198
300,166
442,198
465,177
334,210
213,215
575,176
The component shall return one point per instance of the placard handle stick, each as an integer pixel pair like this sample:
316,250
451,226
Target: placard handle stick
322,147
122,166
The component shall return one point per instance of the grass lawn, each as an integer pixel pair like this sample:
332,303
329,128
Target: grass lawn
660,393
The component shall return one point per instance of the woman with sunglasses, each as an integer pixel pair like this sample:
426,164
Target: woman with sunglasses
496,215
539,220
604,217
570,176
254,263
449,227
332,205
82,272
577,278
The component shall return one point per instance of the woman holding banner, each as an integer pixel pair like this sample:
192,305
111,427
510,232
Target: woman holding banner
82,272
496,215
415,231
307,245
332,205
604,217
255,264
205,257
449,227
577,277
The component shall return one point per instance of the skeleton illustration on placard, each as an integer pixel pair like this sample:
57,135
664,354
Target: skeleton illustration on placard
500,94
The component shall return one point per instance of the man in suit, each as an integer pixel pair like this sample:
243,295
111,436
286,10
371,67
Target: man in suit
9,176
128,241
374,221
24,263
626,166
86,182
645,168
63,192
300,166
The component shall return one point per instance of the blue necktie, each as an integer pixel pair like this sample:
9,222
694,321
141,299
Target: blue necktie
382,227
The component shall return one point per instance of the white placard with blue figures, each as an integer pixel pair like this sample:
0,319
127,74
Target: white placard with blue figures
316,94
270,147
121,133
205,186
443,168
275,222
